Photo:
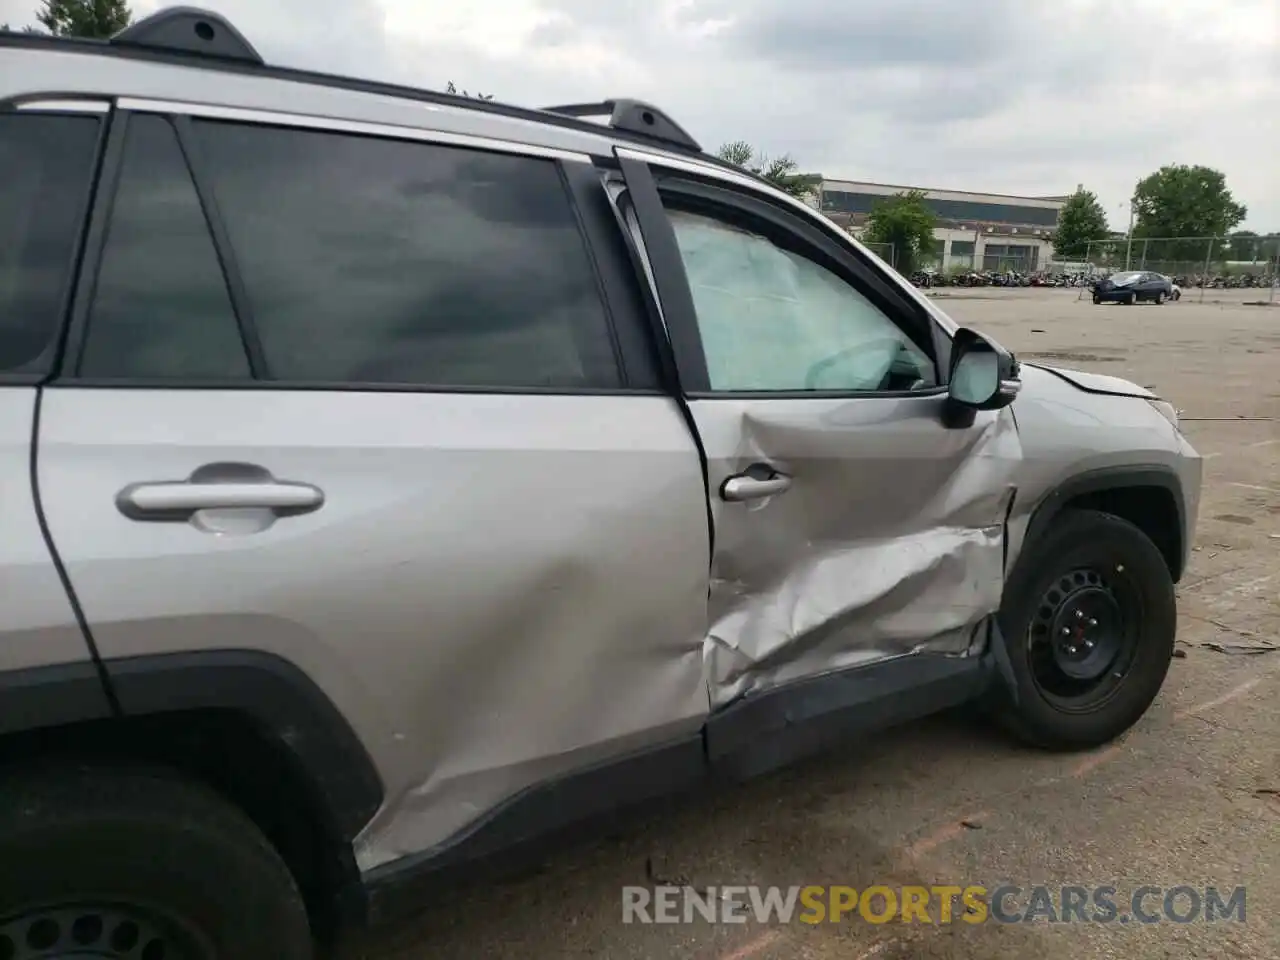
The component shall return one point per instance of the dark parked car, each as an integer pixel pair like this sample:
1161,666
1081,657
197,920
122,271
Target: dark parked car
1132,286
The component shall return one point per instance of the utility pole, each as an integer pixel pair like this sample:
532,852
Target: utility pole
1208,257
1128,250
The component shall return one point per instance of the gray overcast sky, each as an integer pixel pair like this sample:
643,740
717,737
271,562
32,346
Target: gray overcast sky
1010,96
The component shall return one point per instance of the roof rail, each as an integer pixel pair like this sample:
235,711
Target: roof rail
633,116
189,30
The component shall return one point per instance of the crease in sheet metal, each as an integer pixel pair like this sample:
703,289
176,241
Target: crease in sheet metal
825,587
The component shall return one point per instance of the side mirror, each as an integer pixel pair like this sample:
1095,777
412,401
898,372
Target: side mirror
984,375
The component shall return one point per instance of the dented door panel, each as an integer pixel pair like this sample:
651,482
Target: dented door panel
882,531
889,540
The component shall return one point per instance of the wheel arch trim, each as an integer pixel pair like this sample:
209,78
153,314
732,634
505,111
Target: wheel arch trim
274,694
281,698
1103,480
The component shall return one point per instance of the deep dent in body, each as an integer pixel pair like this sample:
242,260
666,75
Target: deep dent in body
839,599
834,598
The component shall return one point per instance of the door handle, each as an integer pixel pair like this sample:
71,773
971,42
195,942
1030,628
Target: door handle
218,487
151,498
755,483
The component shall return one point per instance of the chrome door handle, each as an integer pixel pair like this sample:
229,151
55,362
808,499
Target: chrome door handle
218,487
744,486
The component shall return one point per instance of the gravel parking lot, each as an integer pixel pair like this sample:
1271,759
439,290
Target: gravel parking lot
1189,796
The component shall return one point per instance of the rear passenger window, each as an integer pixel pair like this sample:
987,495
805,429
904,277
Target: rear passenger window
382,261
46,164
161,309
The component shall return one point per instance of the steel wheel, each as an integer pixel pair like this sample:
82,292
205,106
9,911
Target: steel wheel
135,864
1082,638
100,932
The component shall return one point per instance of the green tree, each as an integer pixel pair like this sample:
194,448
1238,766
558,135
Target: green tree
905,221
1184,201
1081,222
782,172
95,19
462,93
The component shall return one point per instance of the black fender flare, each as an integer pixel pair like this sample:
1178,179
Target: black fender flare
1100,481
281,699
37,698
274,694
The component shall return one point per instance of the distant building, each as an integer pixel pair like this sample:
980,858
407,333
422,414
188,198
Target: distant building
979,231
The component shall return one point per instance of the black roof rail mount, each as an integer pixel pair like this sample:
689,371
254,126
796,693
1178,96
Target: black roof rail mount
633,116
189,30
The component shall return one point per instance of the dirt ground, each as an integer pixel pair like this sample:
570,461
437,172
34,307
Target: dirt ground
1188,797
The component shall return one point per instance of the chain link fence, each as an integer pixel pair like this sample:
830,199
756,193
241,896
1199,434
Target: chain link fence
1194,263
1009,258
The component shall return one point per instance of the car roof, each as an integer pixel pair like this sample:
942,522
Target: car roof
188,54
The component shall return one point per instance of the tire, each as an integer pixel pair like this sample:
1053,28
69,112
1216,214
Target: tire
1097,300
1160,299
1129,569
1130,300
110,863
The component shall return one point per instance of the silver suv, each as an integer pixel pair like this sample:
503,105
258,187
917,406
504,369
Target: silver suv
394,480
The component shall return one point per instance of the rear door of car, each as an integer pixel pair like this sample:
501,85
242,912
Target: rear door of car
365,402
853,524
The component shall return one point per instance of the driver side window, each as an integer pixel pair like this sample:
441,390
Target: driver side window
773,320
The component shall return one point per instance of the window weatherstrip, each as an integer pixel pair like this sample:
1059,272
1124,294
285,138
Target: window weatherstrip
66,106
335,125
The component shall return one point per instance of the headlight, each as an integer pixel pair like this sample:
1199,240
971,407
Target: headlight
1166,410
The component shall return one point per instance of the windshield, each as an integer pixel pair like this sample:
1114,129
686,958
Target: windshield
1122,278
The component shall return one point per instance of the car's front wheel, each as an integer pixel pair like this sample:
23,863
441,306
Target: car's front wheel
1160,298
145,867
1089,618
1096,299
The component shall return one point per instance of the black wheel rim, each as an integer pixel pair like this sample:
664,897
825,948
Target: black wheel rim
1083,637
98,932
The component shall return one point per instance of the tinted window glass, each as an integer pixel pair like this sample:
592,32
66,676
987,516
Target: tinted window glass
161,307
46,163
773,320
382,261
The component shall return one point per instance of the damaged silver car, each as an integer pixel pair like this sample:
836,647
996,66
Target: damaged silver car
396,479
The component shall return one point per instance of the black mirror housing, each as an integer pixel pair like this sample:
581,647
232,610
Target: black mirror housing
983,375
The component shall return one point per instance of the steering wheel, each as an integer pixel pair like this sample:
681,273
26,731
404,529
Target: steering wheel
874,366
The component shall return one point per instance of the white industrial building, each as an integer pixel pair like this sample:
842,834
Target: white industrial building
978,231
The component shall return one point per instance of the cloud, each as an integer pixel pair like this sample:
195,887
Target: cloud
990,95
821,35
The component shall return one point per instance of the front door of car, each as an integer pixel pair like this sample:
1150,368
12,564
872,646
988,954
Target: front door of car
852,522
